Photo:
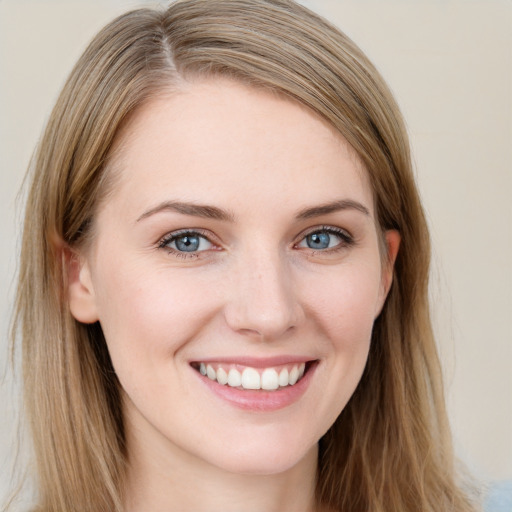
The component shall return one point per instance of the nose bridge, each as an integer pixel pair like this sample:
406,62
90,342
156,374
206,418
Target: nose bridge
263,299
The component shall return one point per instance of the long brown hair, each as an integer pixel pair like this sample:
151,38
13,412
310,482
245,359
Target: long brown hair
390,449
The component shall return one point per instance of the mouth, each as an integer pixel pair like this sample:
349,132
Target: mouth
257,385
245,377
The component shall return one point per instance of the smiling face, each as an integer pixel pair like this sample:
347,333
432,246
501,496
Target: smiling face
238,250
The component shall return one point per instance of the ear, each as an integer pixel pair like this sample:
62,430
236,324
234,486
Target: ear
80,291
392,240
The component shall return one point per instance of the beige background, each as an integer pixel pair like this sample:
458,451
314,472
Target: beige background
450,65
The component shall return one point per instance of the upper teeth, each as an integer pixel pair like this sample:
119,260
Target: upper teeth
252,378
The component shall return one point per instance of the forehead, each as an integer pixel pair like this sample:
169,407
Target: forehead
218,137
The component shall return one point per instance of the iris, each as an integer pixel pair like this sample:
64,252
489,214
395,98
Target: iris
318,240
188,243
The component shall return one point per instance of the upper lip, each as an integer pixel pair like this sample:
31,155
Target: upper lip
257,362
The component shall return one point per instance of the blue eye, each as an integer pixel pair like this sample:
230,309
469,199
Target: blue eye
326,238
189,241
318,240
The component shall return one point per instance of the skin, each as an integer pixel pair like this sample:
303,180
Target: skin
256,290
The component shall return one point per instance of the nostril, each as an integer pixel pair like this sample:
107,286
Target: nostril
262,325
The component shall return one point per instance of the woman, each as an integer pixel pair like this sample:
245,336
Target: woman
223,288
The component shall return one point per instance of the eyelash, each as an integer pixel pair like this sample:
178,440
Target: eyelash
176,235
346,240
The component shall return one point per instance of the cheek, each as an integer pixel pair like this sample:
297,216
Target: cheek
345,303
149,316
344,311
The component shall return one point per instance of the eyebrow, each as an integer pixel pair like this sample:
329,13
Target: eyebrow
213,212
196,210
332,207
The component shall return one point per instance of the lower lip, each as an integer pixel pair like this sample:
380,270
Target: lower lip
260,400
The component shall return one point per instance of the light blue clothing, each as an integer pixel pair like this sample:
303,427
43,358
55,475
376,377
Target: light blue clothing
499,497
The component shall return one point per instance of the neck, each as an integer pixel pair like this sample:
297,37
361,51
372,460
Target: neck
170,480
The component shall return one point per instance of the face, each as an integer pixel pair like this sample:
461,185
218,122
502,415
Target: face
236,273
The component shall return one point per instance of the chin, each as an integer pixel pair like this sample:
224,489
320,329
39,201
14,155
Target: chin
272,459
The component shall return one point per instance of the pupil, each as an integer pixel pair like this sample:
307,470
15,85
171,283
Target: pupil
318,240
187,243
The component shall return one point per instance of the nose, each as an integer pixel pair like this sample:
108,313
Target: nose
263,297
